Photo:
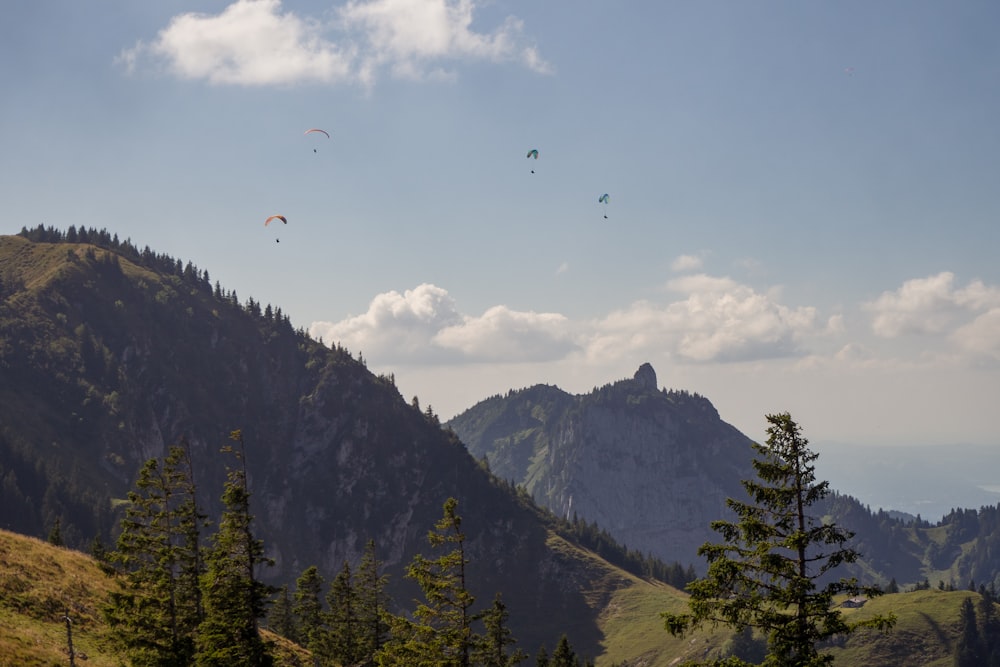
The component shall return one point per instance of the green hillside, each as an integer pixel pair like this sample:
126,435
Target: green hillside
40,582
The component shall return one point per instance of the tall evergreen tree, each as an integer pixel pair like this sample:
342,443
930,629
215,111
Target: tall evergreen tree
344,637
989,630
234,598
157,608
308,608
372,603
280,618
440,634
765,574
492,648
563,656
969,647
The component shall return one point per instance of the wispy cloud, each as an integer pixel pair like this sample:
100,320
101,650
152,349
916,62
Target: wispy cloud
686,263
259,43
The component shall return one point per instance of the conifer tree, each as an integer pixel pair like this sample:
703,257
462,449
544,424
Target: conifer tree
372,602
440,633
969,647
343,645
492,648
157,608
563,656
308,608
765,574
234,599
280,618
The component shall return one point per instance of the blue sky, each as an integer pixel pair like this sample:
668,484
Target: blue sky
804,202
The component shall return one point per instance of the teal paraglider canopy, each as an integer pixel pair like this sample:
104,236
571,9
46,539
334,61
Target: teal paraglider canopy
604,199
533,153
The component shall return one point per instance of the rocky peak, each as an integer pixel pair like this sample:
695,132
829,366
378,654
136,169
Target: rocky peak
645,377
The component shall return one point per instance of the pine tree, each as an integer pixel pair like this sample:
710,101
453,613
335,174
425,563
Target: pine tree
989,630
969,647
440,633
155,612
344,645
563,656
765,574
492,648
234,598
372,603
280,618
308,608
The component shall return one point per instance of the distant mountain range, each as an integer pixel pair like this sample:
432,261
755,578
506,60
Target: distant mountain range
109,354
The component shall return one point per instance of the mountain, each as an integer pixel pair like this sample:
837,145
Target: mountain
653,467
109,355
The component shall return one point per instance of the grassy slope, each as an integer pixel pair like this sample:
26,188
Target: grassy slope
38,583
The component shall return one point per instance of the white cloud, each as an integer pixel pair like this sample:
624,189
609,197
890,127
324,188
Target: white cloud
397,327
424,326
982,335
686,263
404,34
928,305
719,320
257,43
252,42
505,335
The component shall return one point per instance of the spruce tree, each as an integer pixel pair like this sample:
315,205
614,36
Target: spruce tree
492,647
989,630
765,575
280,618
440,633
563,656
343,645
308,608
969,647
234,599
372,602
157,608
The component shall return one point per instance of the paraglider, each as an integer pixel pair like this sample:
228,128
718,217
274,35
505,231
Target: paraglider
283,219
319,131
533,153
604,199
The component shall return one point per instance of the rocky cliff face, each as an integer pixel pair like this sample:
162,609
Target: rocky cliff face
652,467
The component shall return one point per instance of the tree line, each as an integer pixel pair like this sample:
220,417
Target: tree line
184,598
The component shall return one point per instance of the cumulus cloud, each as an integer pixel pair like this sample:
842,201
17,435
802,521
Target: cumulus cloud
981,336
929,305
719,320
501,334
423,325
258,43
716,320
396,326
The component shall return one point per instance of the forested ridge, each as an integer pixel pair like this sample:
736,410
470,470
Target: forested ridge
98,340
